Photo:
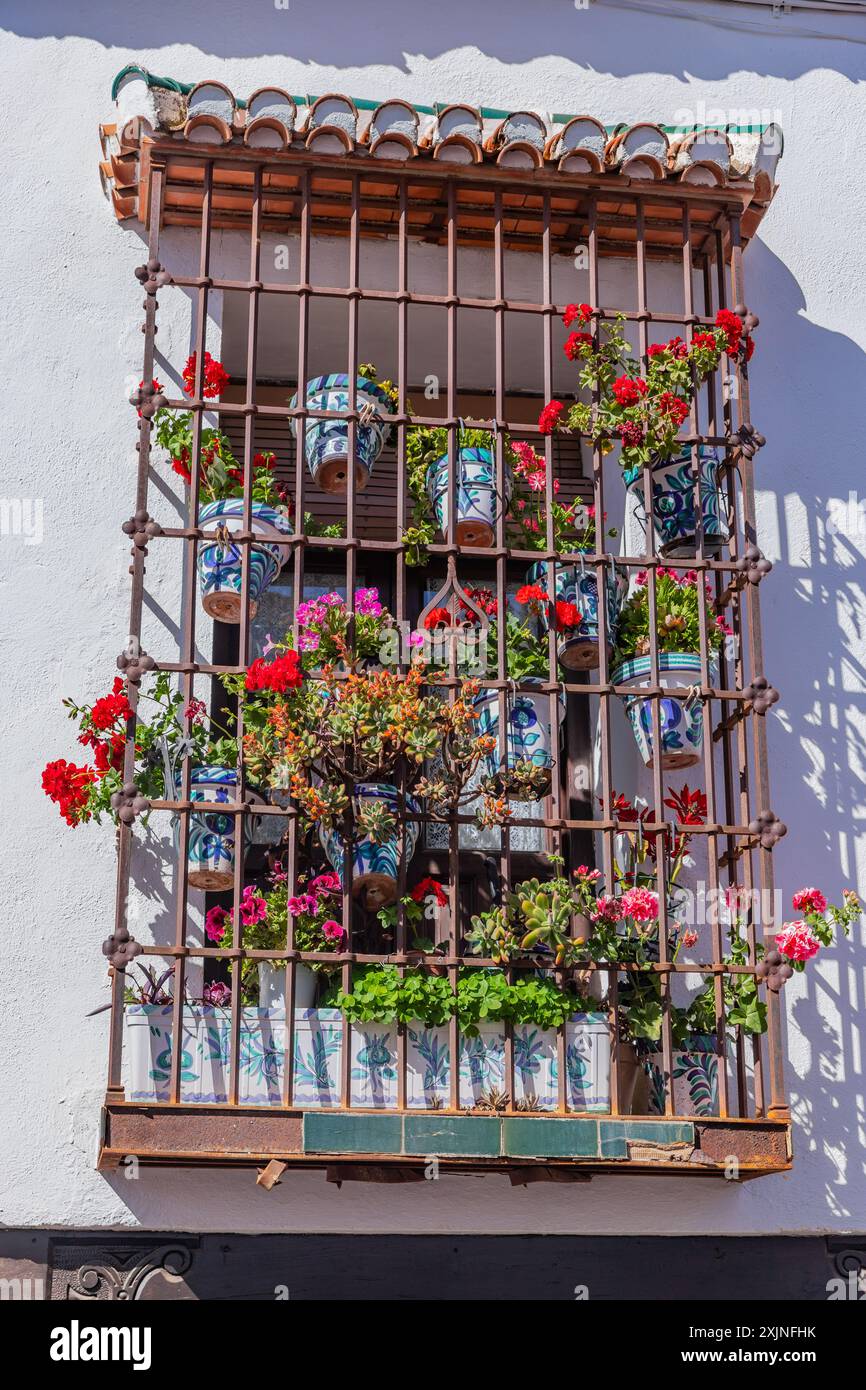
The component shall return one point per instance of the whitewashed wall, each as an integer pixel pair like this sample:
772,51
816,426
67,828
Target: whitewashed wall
70,346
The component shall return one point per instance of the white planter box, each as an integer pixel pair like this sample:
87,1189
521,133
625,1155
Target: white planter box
205,1070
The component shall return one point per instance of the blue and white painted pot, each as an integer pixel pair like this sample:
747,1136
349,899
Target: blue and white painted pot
681,721
673,494
206,1043
211,853
219,562
476,497
529,736
578,584
695,1080
375,867
326,442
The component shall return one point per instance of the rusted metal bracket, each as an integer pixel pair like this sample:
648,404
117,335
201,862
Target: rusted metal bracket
270,1175
121,948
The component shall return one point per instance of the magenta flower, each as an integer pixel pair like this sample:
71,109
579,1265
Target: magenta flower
253,908
331,930
215,923
308,641
796,941
325,884
304,902
367,602
640,904
810,900
416,639
217,994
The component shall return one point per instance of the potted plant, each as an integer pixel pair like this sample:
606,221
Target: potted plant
176,729
330,633
574,610
351,749
326,442
695,1059
221,482
477,504
644,412
265,918
524,773
678,600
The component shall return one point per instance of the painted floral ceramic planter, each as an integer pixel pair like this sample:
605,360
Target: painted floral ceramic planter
695,1078
219,561
578,584
375,867
529,737
326,442
272,986
477,502
211,853
681,722
318,1050
673,502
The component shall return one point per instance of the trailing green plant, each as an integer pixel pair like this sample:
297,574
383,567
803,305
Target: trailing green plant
424,445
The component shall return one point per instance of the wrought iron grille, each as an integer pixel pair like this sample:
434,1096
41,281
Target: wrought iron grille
495,211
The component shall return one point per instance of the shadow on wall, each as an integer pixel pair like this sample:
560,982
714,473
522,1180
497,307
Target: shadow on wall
607,38
812,525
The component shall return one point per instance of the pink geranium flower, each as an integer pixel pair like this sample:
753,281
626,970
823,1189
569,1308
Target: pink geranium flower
331,930
215,923
810,900
607,909
797,942
253,908
640,904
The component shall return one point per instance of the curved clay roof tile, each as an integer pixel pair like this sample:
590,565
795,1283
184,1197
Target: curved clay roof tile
583,133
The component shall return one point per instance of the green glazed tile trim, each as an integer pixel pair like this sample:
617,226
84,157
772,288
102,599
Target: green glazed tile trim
357,1134
614,1134
526,1137
473,1136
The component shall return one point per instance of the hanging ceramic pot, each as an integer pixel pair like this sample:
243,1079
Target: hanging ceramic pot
681,721
673,502
529,735
211,849
326,442
577,648
477,503
219,561
375,867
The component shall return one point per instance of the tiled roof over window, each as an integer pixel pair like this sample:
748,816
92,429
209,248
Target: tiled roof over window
395,130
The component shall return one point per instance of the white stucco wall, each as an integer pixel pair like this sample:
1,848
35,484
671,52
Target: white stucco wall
70,345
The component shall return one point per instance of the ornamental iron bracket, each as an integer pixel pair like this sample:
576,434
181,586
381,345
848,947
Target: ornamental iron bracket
767,829
121,948
774,970
147,400
152,276
128,803
134,661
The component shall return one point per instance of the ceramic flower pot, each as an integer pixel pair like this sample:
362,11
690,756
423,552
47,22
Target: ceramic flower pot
578,584
219,561
375,866
326,442
476,498
695,1077
681,722
673,501
272,986
529,734
211,853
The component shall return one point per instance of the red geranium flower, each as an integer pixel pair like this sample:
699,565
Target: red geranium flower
577,313
429,888
549,417
628,390
215,379
68,785
567,615
437,617
733,326
631,434
111,707
674,407
575,343
531,593
283,673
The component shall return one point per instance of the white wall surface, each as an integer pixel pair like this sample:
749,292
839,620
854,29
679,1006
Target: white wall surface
71,344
